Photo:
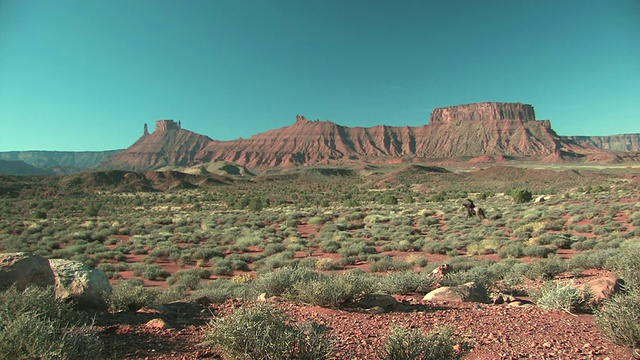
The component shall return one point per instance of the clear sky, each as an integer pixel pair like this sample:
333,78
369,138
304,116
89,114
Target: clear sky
87,74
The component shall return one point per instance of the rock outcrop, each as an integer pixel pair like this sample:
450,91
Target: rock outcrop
381,302
164,125
87,288
23,270
471,131
469,292
603,288
622,142
168,145
487,111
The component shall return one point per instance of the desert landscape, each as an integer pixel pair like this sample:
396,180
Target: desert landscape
483,235
350,261
319,180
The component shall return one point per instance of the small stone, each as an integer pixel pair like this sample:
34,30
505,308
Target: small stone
157,324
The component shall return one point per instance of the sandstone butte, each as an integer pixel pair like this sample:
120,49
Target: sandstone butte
472,132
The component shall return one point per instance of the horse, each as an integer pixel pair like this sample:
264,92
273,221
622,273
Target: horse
472,210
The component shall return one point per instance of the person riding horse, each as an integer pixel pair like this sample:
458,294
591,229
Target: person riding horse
473,210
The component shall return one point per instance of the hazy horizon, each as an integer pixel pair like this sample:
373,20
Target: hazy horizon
86,75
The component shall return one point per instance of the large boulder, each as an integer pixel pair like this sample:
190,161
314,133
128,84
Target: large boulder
24,269
603,287
469,292
384,302
88,288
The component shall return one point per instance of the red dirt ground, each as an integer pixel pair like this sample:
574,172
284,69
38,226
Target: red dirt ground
491,331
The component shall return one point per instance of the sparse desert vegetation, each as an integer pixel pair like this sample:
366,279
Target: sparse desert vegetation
331,242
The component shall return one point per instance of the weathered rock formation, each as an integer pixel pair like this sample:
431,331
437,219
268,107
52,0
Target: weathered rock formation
23,270
469,292
483,130
603,288
622,142
168,145
164,125
487,111
87,288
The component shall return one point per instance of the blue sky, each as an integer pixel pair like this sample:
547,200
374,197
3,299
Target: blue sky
86,75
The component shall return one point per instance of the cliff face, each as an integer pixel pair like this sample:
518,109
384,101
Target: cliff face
165,125
167,145
458,131
487,111
472,130
623,142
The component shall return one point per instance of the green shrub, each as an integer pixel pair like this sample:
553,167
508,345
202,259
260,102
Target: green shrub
436,247
417,260
255,204
381,265
404,282
512,250
34,325
173,293
221,290
413,344
478,274
627,266
190,278
521,196
262,332
591,259
537,251
324,264
329,246
333,290
356,248
618,316
546,269
39,214
271,249
281,282
317,220
389,199
131,296
559,296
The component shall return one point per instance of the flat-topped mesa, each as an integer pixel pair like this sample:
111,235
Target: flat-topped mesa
164,125
485,111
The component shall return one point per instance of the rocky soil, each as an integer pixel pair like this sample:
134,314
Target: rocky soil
490,331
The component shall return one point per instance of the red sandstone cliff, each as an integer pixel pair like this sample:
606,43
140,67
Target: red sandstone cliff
167,145
473,130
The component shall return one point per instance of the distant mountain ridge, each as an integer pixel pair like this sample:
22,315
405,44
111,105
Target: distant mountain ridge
17,167
477,133
621,142
482,130
59,161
